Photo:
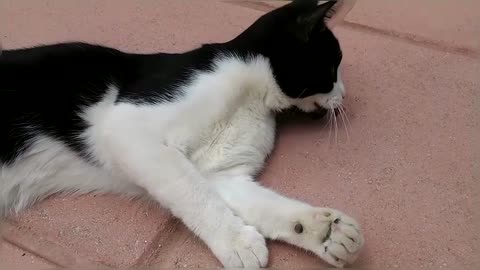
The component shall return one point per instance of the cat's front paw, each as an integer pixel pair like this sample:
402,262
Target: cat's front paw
343,241
329,233
246,248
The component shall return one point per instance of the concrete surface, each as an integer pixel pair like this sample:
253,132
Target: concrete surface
13,257
408,170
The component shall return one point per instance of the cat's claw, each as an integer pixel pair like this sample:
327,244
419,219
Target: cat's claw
247,249
342,245
332,235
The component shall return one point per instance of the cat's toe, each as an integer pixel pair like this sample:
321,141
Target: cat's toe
329,233
343,242
247,249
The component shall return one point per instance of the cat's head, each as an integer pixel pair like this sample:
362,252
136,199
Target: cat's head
304,53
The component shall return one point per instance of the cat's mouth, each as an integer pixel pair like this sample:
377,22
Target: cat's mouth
321,111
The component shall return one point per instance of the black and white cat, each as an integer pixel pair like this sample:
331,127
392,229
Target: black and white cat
191,130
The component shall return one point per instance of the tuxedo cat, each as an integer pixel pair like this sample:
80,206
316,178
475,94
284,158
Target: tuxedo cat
189,130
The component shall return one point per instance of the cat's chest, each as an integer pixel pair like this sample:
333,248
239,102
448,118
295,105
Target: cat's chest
242,137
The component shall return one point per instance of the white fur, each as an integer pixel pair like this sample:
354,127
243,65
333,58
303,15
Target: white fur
197,156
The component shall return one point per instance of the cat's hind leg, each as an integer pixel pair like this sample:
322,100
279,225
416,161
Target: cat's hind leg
329,233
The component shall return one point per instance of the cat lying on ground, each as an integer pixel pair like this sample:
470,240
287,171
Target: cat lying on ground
190,130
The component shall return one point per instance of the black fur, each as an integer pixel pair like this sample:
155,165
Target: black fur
42,89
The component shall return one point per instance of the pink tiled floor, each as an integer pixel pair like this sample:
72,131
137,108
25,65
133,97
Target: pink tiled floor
13,257
407,171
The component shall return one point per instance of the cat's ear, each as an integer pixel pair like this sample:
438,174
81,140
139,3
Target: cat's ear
313,15
339,12
326,14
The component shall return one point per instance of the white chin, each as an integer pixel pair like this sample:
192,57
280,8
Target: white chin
317,102
307,107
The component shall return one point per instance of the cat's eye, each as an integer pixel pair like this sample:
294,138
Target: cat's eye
298,228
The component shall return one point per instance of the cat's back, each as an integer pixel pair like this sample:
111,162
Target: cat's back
43,89
62,70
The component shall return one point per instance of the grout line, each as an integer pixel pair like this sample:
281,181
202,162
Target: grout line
474,199
53,254
24,248
413,39
171,243
405,37
159,243
257,5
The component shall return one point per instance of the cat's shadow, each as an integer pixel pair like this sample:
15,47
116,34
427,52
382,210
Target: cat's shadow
297,117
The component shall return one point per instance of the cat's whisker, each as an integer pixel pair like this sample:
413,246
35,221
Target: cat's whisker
330,122
347,118
327,123
336,125
327,115
336,130
301,93
344,116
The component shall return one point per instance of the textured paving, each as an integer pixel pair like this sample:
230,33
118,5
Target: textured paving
407,169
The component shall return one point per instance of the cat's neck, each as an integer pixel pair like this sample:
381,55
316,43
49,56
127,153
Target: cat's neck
250,74
223,68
